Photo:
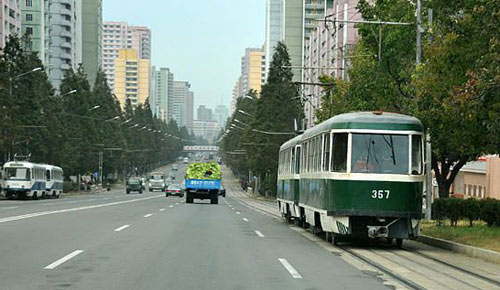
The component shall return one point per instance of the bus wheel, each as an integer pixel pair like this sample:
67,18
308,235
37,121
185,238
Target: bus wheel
35,196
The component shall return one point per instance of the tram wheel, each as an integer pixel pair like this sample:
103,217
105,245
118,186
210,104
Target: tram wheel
399,243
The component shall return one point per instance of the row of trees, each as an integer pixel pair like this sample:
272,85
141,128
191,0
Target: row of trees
455,91
260,125
72,128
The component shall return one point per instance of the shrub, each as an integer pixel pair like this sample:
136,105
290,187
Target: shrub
490,211
69,186
454,209
471,209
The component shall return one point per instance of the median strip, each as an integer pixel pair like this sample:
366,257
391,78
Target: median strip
290,268
63,259
122,228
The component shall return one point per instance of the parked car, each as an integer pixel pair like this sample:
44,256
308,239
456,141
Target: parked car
174,190
134,184
222,191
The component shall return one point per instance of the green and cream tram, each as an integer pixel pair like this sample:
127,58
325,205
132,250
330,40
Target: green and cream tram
362,174
288,179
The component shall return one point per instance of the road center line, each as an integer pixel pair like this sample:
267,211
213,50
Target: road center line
290,268
64,259
245,219
148,215
237,212
259,234
37,214
122,228
162,209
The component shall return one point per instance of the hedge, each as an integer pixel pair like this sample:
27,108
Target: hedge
454,209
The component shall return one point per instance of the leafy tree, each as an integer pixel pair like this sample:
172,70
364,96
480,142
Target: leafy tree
276,109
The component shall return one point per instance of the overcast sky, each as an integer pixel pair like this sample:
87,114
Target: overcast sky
201,41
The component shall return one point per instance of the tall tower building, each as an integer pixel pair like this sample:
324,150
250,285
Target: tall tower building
294,20
33,24
10,17
91,38
221,113
163,87
131,77
178,105
252,70
204,113
63,49
119,35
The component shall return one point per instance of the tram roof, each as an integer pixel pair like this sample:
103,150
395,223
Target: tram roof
291,143
367,120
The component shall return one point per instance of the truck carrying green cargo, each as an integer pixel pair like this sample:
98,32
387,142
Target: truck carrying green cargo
203,182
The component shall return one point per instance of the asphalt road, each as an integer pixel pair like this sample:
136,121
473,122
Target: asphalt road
118,241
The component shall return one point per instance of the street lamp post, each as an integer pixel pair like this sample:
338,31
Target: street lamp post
101,153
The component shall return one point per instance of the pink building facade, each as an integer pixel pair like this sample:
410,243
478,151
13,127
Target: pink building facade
327,52
10,17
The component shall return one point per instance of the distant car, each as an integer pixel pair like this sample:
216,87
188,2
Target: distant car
134,184
174,190
175,167
186,160
156,181
222,191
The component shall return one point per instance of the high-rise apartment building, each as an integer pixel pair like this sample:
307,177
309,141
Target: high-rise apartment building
33,24
294,20
178,104
162,82
221,113
119,35
327,53
10,17
252,70
63,38
204,113
91,38
189,111
131,77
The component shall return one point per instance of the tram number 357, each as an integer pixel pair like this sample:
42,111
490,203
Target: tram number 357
381,194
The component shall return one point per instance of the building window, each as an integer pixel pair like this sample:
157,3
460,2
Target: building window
29,17
29,30
29,3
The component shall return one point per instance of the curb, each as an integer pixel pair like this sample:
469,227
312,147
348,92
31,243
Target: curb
474,252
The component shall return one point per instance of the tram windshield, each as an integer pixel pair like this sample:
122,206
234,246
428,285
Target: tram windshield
380,153
17,173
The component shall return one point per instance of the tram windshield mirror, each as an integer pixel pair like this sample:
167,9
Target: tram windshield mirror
380,153
339,152
416,155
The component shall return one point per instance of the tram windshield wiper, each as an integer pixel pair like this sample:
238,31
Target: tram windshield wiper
391,145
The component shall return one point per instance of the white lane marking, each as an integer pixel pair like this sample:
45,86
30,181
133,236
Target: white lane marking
290,268
9,207
148,215
122,228
37,214
245,219
237,212
232,208
259,234
162,209
171,206
177,203
64,259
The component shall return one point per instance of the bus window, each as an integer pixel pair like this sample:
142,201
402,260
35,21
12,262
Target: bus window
47,175
18,173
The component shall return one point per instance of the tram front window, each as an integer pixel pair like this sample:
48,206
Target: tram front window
378,153
17,173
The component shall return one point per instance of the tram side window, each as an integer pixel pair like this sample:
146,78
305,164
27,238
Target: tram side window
326,150
297,160
310,157
47,175
416,155
304,157
339,152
